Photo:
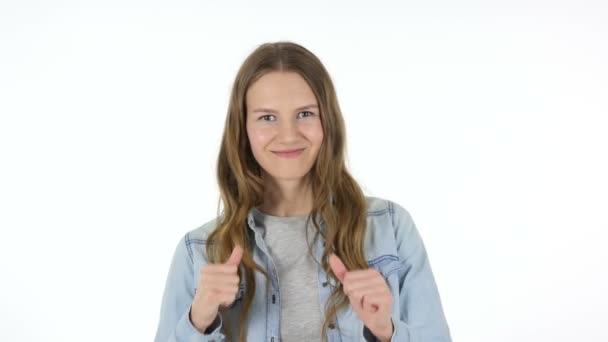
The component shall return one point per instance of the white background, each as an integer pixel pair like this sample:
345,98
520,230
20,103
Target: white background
487,120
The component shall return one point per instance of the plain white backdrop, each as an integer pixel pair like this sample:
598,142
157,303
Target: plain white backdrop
487,120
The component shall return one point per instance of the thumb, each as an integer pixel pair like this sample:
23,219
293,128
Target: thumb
337,266
235,257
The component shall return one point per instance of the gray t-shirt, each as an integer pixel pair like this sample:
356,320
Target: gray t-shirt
301,312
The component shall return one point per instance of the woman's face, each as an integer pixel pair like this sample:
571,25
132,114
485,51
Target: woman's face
283,114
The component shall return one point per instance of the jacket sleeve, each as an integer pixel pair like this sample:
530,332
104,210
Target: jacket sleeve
422,317
174,322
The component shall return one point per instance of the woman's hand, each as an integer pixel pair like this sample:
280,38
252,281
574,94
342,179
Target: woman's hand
218,285
369,296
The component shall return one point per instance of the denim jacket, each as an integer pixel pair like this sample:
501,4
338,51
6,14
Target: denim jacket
393,246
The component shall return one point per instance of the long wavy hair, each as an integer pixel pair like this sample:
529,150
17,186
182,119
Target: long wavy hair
337,198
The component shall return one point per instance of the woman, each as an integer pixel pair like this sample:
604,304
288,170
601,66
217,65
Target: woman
299,253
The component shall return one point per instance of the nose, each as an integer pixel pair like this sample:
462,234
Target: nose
288,131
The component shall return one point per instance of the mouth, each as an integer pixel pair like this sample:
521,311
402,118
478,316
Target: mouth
289,153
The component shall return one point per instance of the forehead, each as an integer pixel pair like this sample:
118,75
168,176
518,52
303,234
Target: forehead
280,89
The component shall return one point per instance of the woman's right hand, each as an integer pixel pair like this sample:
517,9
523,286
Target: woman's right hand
218,285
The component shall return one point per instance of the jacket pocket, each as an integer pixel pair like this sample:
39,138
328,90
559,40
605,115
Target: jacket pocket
389,267
386,264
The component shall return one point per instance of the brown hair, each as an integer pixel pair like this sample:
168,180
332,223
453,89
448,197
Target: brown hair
338,199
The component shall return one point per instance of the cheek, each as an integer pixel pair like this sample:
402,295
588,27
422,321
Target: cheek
258,138
314,133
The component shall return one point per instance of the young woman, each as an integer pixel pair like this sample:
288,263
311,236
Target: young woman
298,253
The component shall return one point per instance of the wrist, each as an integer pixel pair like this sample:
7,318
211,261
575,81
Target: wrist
386,334
199,325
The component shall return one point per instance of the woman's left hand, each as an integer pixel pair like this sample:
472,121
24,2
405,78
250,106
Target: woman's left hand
369,296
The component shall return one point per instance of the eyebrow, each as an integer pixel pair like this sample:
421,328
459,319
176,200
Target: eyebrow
267,110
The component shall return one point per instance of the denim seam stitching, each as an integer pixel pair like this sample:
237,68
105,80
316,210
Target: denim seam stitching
188,248
391,212
382,258
201,241
376,212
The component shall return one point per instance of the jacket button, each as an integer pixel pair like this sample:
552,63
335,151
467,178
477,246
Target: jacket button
331,325
325,283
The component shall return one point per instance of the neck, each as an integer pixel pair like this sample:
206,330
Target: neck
287,197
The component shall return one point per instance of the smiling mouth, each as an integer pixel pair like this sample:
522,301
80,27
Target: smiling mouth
289,153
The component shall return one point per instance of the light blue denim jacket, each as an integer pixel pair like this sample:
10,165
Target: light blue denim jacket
393,246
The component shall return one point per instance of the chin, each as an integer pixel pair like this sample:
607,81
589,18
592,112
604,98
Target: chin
288,175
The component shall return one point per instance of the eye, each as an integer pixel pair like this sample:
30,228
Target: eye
311,113
264,116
